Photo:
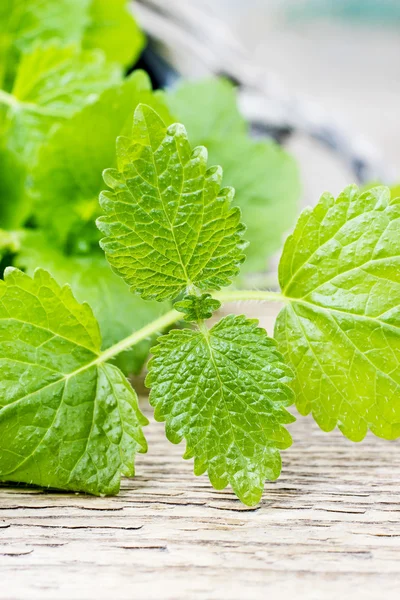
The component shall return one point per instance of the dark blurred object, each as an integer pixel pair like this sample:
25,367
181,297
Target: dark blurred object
189,41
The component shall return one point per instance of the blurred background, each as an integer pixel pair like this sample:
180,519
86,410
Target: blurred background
329,70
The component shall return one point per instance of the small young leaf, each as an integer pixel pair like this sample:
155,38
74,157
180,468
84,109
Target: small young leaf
265,177
197,308
66,420
341,330
168,223
224,392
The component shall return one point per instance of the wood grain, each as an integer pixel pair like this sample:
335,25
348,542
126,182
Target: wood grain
329,528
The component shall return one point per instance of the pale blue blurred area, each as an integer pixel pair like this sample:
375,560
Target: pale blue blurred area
384,12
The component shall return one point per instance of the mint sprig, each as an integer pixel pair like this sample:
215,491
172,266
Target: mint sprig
69,418
224,389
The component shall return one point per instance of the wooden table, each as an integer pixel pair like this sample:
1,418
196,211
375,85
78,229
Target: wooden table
329,528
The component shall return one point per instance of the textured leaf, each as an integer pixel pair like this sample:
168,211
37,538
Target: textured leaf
168,223
224,392
341,331
23,23
197,308
68,179
52,82
265,177
66,421
118,312
113,29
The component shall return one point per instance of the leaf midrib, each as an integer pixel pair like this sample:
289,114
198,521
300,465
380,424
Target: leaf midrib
20,105
330,279
342,312
157,187
62,337
341,224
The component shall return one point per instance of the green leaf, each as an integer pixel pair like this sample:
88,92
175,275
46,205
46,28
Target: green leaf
68,179
209,107
265,177
340,270
197,308
168,223
395,191
66,420
53,81
23,23
117,311
224,392
114,30
14,204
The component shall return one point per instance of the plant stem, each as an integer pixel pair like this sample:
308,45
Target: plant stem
234,295
155,326
13,102
173,316
6,98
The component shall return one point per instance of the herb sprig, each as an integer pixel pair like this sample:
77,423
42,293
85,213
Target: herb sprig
174,239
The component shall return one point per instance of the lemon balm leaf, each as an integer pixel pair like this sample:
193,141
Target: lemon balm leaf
168,224
340,272
67,420
197,308
224,391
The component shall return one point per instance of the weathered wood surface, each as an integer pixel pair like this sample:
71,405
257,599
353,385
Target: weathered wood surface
328,529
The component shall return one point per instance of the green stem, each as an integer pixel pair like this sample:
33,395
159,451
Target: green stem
156,326
13,102
235,295
173,316
6,98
